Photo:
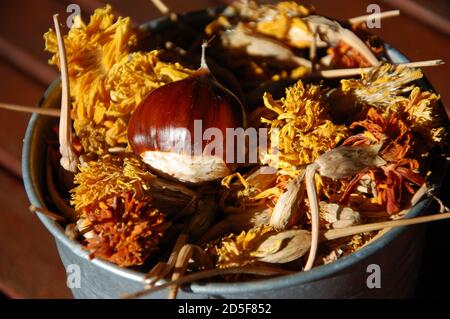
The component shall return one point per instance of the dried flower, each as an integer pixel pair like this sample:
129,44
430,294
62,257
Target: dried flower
304,129
387,128
109,176
107,81
393,183
423,117
400,173
383,85
126,229
344,56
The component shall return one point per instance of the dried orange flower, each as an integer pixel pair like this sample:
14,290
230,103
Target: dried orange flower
344,56
107,80
125,230
302,130
394,183
401,172
387,128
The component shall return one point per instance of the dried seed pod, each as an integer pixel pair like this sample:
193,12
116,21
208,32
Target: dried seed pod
252,217
347,161
171,197
339,216
262,244
284,247
332,33
286,211
256,45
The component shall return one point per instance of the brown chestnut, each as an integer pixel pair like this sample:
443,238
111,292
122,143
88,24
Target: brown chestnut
182,129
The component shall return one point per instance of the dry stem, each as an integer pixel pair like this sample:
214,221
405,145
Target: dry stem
381,15
344,232
314,208
30,109
164,9
181,264
69,160
357,71
47,213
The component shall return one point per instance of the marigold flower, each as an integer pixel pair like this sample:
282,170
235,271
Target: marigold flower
302,130
109,176
126,229
107,80
382,86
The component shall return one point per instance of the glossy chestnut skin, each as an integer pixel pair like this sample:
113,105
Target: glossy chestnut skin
160,123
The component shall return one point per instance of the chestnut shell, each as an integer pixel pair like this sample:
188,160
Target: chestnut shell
160,122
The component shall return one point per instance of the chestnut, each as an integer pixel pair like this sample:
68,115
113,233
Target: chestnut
182,129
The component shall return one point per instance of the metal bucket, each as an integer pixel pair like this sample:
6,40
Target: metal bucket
397,253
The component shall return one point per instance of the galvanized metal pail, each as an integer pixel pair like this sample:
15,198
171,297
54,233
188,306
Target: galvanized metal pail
398,252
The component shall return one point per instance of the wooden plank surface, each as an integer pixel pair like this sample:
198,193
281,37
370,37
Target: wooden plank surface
143,10
30,267
13,124
24,22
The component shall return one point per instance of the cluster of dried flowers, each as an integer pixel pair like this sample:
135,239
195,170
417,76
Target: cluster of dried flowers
107,80
258,215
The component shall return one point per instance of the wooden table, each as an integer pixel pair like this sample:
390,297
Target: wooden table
29,264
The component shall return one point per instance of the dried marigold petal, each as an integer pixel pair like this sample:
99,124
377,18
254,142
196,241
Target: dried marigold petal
394,184
344,56
424,117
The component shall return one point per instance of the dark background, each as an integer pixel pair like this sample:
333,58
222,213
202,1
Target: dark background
29,264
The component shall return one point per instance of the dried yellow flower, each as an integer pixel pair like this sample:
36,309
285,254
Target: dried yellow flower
107,80
302,130
382,86
282,21
285,23
423,116
109,176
